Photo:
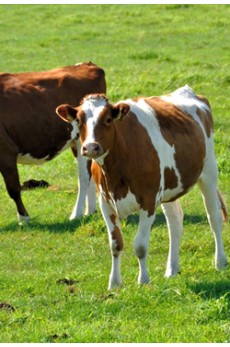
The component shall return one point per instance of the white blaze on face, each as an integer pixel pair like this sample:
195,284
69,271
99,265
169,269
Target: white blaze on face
92,108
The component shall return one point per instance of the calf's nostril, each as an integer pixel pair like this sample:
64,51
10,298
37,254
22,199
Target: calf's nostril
97,148
84,149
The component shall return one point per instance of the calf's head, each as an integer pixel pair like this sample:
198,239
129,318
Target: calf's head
96,119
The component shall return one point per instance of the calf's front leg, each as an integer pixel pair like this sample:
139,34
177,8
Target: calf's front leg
115,240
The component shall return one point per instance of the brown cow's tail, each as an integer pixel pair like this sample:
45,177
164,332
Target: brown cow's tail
223,207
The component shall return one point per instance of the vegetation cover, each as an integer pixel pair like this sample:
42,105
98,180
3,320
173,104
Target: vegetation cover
53,273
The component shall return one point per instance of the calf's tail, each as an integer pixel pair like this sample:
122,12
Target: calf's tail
223,207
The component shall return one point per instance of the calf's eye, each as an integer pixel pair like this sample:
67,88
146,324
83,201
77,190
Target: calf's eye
108,120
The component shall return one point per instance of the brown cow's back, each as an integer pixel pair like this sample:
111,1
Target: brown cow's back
30,131
28,102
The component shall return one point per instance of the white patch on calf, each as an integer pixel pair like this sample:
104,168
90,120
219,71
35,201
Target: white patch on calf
174,218
122,207
127,205
92,108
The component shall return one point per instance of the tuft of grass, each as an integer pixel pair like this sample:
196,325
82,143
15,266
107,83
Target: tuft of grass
53,272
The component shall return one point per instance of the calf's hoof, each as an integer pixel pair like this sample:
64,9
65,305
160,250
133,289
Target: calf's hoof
221,264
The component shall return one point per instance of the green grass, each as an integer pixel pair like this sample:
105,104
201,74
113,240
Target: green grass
145,50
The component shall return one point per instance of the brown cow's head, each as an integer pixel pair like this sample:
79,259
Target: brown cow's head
68,114
95,118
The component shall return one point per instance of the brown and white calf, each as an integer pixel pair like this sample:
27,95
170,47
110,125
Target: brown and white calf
31,132
145,152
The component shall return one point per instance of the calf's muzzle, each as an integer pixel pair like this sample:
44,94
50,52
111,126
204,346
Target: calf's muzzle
92,150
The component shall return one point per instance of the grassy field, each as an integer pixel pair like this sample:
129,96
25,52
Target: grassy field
54,273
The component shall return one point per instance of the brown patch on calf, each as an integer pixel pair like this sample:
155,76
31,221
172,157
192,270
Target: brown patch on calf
89,164
171,180
170,118
132,164
204,99
116,235
205,115
185,134
100,179
206,119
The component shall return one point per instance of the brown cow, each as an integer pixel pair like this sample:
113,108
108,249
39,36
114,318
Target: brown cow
30,131
145,152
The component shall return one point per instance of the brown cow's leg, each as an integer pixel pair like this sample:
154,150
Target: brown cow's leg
8,168
86,186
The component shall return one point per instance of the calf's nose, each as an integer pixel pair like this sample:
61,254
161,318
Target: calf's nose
92,150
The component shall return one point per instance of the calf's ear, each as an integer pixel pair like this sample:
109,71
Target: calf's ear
120,110
66,112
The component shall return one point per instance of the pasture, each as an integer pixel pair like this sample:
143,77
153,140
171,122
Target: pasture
53,272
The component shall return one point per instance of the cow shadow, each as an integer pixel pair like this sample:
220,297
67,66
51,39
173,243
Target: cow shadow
211,290
160,219
34,224
72,226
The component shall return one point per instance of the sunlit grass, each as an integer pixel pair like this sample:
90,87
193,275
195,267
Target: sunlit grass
145,50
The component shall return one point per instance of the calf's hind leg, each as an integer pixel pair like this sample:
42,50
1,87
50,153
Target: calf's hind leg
212,204
141,244
9,171
174,218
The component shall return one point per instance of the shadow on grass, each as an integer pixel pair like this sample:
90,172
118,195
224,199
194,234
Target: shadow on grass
211,290
53,227
72,226
160,219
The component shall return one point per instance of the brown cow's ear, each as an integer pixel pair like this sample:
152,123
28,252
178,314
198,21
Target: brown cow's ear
120,110
66,112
